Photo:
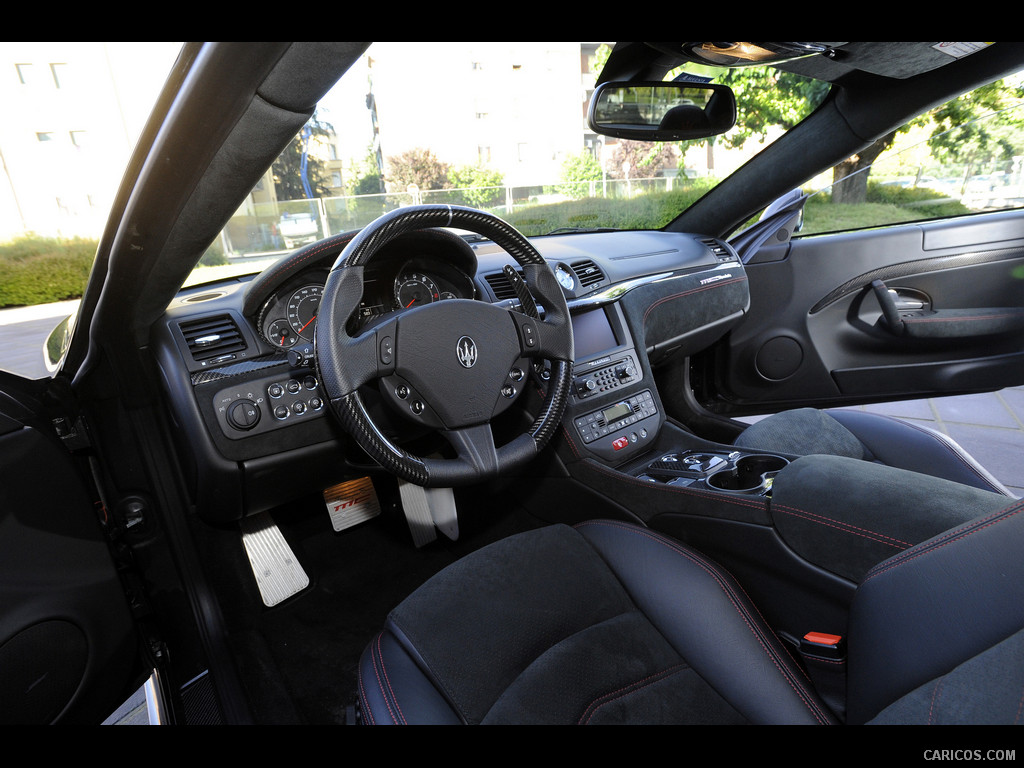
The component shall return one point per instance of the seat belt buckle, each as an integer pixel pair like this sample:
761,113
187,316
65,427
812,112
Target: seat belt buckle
823,645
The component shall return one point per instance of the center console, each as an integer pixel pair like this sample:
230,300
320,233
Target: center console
613,409
727,472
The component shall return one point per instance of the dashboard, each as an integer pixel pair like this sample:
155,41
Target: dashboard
238,366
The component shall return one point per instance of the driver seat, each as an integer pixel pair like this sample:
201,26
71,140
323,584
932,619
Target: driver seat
609,622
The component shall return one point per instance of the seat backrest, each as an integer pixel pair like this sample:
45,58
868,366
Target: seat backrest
937,632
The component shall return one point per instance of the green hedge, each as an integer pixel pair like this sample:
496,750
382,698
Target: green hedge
39,270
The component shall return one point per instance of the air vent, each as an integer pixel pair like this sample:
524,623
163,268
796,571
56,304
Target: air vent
721,252
213,339
588,273
500,285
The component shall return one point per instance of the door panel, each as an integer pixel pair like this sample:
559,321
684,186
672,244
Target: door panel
67,642
908,311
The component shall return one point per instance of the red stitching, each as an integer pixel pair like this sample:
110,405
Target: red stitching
692,290
742,611
938,543
843,526
625,691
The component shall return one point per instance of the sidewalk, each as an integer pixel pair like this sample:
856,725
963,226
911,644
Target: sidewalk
989,426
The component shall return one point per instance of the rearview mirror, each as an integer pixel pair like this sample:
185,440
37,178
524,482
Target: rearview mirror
661,111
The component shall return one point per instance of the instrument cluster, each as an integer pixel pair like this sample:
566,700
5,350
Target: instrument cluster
289,315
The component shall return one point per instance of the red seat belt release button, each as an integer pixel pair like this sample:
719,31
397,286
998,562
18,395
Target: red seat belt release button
823,644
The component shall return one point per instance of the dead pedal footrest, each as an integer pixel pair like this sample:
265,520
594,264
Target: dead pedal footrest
278,573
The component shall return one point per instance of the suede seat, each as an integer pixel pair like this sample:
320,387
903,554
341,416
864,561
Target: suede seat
871,437
609,622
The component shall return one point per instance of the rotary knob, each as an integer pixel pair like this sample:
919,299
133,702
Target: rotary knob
244,414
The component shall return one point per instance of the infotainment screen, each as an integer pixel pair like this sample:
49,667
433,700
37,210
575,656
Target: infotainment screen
592,333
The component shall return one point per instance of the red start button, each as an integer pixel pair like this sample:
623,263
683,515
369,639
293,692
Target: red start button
620,443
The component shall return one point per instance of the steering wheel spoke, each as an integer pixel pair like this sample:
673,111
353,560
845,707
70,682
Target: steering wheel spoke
475,446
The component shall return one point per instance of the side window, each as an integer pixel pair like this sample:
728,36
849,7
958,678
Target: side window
963,157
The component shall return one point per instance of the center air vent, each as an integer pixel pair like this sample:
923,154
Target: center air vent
588,273
213,339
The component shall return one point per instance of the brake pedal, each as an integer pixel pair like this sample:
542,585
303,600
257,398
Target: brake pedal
428,510
278,573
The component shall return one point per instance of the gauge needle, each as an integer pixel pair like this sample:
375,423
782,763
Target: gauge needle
410,303
307,324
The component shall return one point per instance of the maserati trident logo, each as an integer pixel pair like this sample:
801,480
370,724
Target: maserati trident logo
466,350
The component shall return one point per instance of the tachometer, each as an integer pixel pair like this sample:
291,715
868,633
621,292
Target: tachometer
415,288
302,310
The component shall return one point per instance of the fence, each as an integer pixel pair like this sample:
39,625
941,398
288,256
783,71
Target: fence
276,226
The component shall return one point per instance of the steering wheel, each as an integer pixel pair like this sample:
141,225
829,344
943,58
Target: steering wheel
450,365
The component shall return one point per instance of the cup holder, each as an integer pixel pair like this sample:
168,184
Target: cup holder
750,474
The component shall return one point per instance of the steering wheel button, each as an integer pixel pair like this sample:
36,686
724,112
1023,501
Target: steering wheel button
516,374
417,407
529,336
508,391
387,350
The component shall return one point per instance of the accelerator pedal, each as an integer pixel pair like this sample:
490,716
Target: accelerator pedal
279,575
428,510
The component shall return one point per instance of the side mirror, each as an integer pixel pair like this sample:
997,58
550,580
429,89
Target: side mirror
661,111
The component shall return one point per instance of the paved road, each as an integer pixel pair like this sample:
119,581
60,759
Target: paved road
23,332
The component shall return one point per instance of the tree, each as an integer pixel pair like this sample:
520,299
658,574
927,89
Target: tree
287,169
644,159
365,178
479,187
417,166
577,171
850,177
766,99
960,135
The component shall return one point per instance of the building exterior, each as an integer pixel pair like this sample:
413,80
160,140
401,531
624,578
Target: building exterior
71,115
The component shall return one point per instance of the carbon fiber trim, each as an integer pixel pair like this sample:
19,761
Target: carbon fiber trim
896,271
352,415
229,371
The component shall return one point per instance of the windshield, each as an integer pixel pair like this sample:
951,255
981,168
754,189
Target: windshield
502,127
498,126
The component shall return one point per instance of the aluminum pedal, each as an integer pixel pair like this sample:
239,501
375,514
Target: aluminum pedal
428,510
279,575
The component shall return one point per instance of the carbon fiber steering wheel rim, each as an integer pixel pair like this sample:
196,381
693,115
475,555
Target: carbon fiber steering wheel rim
345,363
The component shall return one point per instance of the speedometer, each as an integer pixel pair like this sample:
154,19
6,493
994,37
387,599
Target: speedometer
302,310
415,288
